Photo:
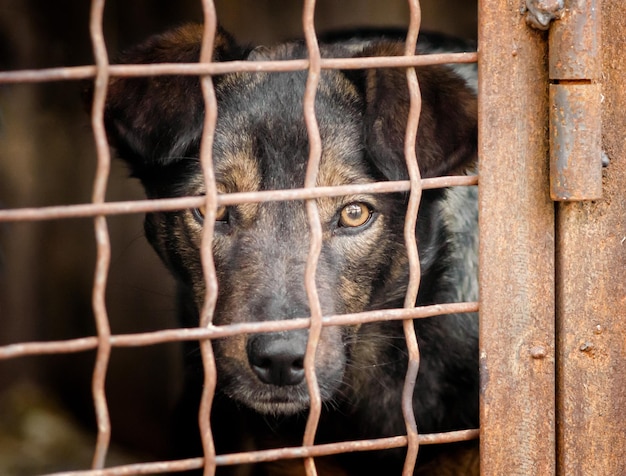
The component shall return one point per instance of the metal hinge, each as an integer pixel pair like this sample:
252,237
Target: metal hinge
576,156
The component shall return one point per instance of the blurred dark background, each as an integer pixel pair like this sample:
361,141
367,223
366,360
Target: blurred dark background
46,268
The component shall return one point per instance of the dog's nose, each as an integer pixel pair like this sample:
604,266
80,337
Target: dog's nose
278,359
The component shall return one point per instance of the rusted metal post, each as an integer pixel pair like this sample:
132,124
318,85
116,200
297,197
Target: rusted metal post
516,247
591,292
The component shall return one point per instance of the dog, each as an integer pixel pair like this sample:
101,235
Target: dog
261,143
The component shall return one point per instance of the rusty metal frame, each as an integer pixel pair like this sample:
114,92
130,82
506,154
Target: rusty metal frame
99,209
517,242
552,287
591,261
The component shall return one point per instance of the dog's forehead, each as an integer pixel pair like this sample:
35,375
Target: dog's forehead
261,139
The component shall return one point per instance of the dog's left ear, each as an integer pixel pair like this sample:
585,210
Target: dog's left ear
156,121
447,131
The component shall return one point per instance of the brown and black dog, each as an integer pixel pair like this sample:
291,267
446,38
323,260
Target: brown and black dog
260,250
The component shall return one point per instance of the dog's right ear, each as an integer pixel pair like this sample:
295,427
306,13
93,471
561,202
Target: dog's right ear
448,125
152,121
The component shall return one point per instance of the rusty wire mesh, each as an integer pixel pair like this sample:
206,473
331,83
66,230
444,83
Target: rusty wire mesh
104,341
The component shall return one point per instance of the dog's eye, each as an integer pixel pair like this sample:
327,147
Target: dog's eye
354,215
221,214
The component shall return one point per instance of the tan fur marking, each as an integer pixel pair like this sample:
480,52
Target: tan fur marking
335,172
244,81
240,173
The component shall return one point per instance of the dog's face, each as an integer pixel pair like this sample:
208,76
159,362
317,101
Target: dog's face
260,249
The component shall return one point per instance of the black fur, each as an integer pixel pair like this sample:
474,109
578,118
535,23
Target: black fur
260,250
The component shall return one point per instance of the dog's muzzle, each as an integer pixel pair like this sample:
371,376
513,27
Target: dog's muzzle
278,358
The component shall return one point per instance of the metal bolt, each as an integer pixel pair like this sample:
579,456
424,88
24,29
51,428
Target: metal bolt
586,347
538,352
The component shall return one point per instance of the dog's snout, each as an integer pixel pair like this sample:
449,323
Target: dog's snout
278,358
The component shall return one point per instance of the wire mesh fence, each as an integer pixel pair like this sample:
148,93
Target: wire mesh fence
105,342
